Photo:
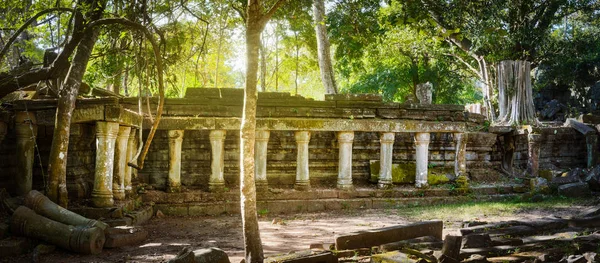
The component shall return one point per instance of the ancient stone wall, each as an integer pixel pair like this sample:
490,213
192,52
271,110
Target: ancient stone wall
562,148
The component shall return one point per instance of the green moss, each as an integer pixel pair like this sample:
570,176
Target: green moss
546,174
435,179
405,173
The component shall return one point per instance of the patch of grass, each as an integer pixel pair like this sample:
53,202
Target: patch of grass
474,209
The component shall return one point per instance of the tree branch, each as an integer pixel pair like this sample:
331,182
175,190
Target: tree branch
471,68
265,18
27,23
159,69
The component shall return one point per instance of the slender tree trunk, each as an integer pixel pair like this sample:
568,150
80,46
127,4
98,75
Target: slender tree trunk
297,70
57,162
252,242
255,23
323,47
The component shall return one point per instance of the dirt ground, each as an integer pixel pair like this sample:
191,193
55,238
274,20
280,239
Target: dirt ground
280,234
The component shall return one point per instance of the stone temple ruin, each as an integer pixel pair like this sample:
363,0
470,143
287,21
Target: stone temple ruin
350,150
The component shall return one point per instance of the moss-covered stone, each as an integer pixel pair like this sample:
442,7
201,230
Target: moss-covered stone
546,174
404,173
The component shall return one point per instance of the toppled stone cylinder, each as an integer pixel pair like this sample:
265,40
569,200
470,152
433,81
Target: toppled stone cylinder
85,240
43,206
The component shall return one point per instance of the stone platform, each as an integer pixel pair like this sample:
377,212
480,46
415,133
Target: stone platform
199,203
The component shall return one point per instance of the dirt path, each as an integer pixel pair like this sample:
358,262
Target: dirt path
168,235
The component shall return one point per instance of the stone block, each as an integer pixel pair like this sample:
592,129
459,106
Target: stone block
392,257
376,237
476,241
124,236
579,189
141,216
125,221
304,257
172,210
211,255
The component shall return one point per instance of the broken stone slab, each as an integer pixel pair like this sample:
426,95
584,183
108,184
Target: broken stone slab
352,252
124,236
41,205
211,255
14,246
504,241
141,216
115,222
477,241
392,257
26,222
589,212
476,259
186,255
304,257
376,237
451,249
592,178
580,127
578,189
486,227
415,243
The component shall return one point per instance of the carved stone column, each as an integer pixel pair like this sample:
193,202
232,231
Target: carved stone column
106,135
175,140
260,159
591,142
345,160
302,174
533,152
387,149
26,131
131,151
120,163
216,181
460,158
422,158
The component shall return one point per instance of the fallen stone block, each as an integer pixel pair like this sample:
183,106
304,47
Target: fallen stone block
579,189
211,255
518,230
451,249
14,246
376,237
124,236
304,257
186,255
115,222
415,243
486,227
504,241
477,241
392,257
592,221
352,252
476,259
141,216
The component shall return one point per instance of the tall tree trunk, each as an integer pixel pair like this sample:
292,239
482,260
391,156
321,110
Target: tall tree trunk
252,242
255,23
515,97
57,162
323,48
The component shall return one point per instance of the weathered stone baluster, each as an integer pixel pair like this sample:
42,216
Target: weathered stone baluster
106,135
260,159
216,181
460,159
302,174
533,160
422,158
175,140
120,163
131,151
387,149
26,131
345,160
